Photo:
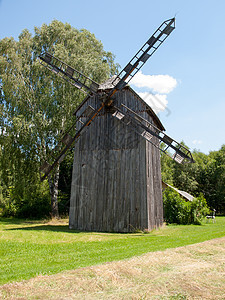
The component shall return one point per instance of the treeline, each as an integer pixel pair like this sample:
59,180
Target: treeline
206,176
23,195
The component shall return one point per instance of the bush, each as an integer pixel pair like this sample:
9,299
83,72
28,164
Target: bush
177,210
32,201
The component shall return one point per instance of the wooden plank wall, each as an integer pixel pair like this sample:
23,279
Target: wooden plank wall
115,178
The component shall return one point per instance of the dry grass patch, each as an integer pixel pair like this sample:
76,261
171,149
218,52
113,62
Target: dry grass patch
191,272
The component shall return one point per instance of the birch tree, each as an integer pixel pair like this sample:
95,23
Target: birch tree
35,105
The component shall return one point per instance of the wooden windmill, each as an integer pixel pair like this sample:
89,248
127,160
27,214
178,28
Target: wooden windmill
116,181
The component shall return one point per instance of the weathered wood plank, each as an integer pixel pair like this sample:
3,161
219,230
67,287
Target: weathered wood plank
116,184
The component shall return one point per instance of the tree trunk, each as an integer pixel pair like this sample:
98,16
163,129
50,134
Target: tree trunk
53,181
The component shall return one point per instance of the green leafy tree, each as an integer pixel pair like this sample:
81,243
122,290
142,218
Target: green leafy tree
167,167
181,176
215,177
206,176
36,106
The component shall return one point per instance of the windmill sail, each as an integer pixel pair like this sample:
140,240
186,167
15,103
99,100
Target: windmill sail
74,77
140,58
152,134
58,154
144,128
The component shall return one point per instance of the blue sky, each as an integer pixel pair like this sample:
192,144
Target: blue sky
192,58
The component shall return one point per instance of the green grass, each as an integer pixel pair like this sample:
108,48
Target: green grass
30,248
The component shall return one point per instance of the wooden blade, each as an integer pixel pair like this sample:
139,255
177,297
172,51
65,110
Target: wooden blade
140,58
59,153
152,134
74,77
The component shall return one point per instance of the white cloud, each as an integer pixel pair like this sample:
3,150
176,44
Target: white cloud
196,142
156,102
162,84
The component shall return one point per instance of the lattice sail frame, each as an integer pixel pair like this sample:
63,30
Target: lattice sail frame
58,153
126,115
147,130
71,75
140,58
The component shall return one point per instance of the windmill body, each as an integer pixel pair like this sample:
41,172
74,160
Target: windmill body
116,181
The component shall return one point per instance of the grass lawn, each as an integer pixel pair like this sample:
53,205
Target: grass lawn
31,248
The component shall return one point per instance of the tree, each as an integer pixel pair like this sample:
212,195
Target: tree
181,176
206,176
216,179
35,105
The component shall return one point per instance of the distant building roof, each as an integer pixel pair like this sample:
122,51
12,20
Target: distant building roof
183,194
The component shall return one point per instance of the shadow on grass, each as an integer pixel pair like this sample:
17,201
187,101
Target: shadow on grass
53,228
65,228
56,228
16,221
33,225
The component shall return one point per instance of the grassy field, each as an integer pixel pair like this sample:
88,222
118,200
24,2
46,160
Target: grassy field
31,248
190,272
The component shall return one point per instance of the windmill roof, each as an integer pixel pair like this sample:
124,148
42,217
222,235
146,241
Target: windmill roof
183,194
149,110
107,85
